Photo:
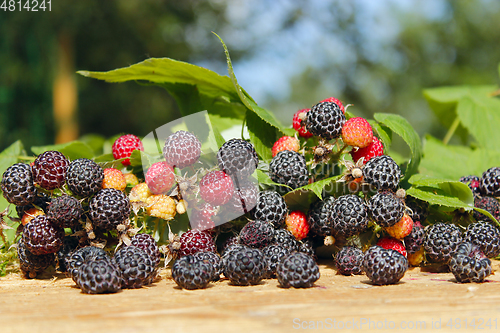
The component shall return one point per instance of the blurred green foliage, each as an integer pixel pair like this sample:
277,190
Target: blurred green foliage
104,35
458,45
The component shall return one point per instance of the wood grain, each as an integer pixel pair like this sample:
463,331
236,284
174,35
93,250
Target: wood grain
422,300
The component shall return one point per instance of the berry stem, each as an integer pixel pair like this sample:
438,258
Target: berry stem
451,130
336,156
376,230
243,127
5,241
156,234
26,158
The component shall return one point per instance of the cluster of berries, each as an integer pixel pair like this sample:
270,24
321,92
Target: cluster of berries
66,206
379,208
133,266
485,190
259,251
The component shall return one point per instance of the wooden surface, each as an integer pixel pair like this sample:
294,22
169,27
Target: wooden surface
422,300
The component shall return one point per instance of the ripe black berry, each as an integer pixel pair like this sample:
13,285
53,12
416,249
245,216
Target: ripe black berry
441,240
350,216
289,168
237,158
320,217
147,243
109,208
468,264
382,172
84,177
190,272
213,259
64,211
490,182
243,200
286,239
386,208
273,254
415,240
84,255
137,268
486,236
17,185
384,266
325,120
257,234
349,261
271,207
297,270
244,266
41,237
31,264
99,277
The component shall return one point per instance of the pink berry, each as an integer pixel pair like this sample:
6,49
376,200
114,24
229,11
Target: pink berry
201,217
296,223
160,177
216,188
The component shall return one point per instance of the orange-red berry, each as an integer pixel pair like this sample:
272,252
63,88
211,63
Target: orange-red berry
357,132
285,143
296,223
401,229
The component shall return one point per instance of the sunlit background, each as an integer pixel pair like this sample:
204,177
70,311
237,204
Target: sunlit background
288,54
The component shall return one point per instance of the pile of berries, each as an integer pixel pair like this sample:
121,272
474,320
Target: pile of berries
73,214
69,210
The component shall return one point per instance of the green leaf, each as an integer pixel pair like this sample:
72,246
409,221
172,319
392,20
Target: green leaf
452,188
299,200
165,70
10,155
402,127
219,139
443,102
437,197
140,159
95,141
488,214
263,178
265,115
383,132
452,162
194,88
317,187
262,135
479,114
108,161
72,150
